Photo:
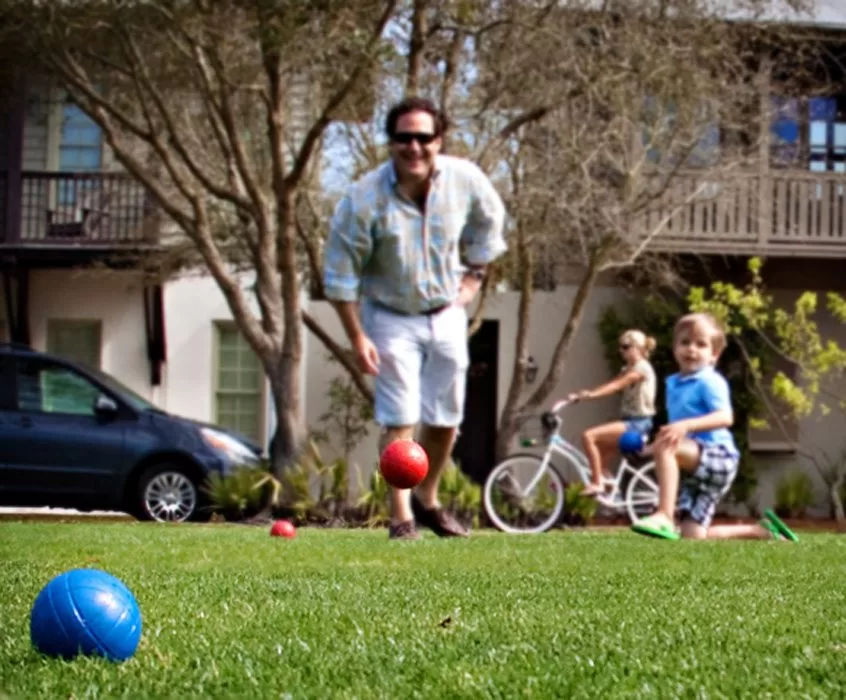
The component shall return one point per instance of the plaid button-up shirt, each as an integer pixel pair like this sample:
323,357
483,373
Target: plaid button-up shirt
381,246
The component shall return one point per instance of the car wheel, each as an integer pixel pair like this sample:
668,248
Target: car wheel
168,493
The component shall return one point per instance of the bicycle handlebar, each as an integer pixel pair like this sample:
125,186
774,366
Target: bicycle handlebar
558,405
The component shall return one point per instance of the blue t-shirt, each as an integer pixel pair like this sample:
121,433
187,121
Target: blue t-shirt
698,394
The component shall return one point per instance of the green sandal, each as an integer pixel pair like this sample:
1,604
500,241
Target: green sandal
775,524
662,532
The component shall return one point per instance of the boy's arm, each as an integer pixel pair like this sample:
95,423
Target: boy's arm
722,418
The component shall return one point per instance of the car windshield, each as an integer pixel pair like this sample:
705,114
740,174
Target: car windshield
139,403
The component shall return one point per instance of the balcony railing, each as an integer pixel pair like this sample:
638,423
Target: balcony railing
783,212
60,209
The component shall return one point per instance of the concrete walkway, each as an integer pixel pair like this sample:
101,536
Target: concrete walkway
59,513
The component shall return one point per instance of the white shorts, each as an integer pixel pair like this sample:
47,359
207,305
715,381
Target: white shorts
423,364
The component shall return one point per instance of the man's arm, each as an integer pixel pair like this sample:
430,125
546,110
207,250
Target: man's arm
348,312
348,247
483,235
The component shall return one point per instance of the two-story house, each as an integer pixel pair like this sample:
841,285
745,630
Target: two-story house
71,223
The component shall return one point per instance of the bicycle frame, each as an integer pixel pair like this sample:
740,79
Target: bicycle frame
558,445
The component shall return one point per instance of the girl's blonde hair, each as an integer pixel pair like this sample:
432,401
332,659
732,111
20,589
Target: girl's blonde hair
639,339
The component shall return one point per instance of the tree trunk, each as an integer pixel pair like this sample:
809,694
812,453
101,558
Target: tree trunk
837,502
289,439
508,422
419,28
290,436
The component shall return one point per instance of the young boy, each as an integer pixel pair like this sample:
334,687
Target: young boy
697,441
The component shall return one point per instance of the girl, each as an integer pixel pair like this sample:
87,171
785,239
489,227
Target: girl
637,383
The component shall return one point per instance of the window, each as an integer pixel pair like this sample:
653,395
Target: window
239,383
46,388
78,341
80,141
808,132
80,149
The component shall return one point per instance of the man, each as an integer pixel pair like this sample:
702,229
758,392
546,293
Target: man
392,268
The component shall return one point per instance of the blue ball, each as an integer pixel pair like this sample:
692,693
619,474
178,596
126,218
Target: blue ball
631,441
86,611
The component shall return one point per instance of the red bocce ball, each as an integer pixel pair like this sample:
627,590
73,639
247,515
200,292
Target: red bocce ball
404,464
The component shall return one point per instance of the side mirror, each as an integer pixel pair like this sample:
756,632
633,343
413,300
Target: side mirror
104,406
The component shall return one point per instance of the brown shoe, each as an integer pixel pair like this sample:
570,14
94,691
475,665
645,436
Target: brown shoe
439,521
403,531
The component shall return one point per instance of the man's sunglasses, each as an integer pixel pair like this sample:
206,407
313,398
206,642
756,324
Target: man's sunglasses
406,137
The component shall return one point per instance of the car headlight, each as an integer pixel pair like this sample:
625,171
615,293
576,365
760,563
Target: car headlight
234,449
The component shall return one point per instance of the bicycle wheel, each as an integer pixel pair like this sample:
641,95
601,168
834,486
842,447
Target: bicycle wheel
642,492
511,508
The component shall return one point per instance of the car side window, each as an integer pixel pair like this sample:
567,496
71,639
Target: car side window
7,375
49,388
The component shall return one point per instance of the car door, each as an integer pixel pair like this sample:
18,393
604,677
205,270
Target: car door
7,413
60,447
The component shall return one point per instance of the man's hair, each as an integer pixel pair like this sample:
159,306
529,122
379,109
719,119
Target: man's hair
715,330
414,104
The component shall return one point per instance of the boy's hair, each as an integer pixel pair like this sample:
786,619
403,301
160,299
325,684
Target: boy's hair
640,339
688,322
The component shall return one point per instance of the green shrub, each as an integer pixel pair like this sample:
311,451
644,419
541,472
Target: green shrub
458,493
578,509
240,494
794,493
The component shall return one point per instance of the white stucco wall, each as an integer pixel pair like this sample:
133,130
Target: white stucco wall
115,299
194,303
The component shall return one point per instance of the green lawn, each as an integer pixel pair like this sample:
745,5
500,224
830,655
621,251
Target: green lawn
230,612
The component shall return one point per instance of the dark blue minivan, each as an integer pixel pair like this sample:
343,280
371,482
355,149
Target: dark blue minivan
74,437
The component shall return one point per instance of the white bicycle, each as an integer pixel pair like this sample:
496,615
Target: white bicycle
525,493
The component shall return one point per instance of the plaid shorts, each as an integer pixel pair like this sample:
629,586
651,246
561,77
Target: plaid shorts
702,490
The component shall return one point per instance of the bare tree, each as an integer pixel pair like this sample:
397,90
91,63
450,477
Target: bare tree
198,101
616,116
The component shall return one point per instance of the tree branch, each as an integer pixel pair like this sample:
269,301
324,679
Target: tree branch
319,126
342,354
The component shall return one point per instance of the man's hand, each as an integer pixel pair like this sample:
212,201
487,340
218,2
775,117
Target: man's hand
468,290
366,355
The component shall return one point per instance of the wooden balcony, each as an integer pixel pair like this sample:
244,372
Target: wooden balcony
779,213
61,210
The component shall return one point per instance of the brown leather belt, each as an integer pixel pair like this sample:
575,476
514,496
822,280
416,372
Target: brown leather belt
428,312
436,310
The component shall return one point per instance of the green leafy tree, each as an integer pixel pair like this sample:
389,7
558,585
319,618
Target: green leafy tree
793,333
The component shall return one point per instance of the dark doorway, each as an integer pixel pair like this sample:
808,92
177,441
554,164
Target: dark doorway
474,449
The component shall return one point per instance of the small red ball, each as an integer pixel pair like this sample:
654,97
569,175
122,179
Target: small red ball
404,464
283,528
